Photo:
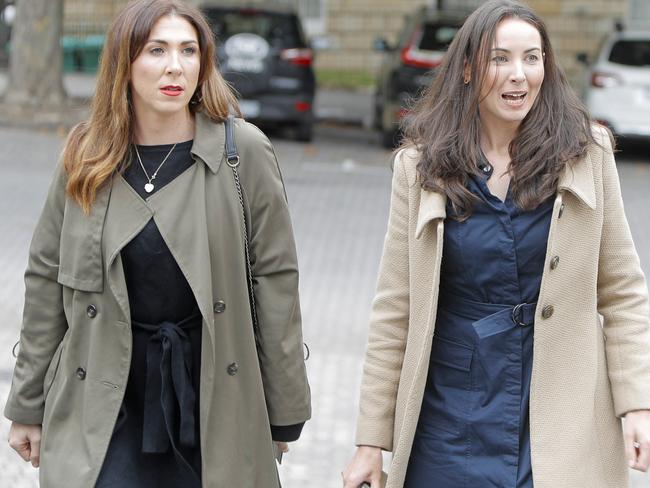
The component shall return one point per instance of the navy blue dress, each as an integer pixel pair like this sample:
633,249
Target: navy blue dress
473,428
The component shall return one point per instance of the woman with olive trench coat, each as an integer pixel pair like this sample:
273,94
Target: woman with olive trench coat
587,372
75,347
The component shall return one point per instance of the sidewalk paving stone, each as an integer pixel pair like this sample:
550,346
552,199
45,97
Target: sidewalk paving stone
339,190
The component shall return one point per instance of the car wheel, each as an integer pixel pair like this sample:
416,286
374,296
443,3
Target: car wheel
390,138
378,114
304,132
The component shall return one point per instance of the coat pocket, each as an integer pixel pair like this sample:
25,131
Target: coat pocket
452,354
52,369
449,390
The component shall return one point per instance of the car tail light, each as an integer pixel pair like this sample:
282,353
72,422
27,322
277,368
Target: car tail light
601,79
402,113
299,57
411,56
302,106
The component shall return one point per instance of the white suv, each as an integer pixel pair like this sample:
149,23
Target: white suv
617,88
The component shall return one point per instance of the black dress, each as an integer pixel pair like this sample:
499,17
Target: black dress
156,440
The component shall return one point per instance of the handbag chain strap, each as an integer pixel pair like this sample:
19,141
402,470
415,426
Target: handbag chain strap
232,159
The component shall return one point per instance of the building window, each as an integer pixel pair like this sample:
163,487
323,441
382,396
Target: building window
639,14
312,14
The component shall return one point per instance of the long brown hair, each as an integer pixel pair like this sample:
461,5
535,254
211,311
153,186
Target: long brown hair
98,147
445,125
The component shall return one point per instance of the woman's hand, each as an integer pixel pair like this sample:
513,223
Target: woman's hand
637,439
364,467
26,441
283,447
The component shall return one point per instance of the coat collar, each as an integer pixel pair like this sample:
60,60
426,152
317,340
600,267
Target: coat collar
577,178
432,206
125,216
119,213
209,141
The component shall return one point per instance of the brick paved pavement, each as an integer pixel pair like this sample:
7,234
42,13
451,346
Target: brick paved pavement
339,191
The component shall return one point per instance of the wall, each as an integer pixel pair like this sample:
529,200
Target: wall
574,26
350,26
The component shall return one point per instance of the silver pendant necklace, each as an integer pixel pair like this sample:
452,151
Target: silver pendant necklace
148,187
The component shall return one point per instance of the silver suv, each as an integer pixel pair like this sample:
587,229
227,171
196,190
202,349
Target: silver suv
617,85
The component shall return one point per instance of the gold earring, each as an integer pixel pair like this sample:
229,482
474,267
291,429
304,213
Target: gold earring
466,81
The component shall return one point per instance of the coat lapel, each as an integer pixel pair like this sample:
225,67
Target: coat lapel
126,215
209,142
432,206
578,178
180,214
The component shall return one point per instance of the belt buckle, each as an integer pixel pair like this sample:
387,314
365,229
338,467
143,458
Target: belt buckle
516,313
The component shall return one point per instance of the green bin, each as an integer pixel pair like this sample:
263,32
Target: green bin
71,61
71,53
90,48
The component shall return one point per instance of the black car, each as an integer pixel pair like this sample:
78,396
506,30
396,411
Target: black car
265,56
409,65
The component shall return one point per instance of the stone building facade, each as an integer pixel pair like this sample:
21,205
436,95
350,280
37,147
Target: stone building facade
574,26
348,27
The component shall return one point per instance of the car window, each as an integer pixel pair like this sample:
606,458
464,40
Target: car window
630,52
279,30
407,31
437,37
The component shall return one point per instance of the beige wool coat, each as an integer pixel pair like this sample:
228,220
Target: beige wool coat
587,371
75,343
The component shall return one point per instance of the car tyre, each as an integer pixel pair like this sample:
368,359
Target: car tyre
304,132
390,138
378,114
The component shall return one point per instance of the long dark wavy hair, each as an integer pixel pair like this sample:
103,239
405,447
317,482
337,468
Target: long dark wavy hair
445,124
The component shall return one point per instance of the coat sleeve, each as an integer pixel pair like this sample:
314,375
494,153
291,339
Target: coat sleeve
388,325
44,322
622,298
274,266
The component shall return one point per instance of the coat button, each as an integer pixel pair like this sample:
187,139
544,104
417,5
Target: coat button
232,369
547,311
219,306
555,261
81,373
559,214
91,311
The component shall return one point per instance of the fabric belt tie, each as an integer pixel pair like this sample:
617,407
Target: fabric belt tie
490,318
168,386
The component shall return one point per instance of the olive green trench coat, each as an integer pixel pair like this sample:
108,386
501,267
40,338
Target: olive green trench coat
587,373
75,343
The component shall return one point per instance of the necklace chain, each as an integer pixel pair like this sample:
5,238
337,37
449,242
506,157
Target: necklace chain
149,186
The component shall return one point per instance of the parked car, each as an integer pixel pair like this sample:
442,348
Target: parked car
617,85
409,65
7,16
264,54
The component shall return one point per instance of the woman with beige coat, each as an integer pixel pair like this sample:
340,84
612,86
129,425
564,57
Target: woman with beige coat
510,333
161,343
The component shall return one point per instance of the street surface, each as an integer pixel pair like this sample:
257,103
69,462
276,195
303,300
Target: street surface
339,191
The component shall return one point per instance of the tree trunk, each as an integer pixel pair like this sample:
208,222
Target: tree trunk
35,65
